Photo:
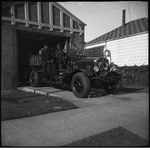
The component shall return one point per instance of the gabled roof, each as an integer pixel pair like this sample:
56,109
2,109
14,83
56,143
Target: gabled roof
130,28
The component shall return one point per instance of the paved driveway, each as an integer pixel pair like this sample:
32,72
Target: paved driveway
98,113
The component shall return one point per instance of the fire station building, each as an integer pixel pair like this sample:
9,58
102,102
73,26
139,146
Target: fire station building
26,26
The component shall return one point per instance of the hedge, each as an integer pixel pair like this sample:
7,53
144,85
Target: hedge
136,75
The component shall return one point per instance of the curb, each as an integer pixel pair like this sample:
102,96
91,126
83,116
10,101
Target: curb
26,89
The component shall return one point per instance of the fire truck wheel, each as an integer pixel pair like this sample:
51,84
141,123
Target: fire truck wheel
80,85
34,78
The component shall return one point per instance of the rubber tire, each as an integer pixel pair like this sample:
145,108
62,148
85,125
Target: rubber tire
36,78
85,82
113,88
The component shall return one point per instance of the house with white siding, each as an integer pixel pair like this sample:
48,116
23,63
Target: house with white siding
128,43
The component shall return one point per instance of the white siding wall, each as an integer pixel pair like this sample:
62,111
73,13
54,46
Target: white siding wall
130,51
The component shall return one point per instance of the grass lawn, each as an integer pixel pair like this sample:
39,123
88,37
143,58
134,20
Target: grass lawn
25,104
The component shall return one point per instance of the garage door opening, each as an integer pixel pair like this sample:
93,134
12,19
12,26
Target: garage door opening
30,43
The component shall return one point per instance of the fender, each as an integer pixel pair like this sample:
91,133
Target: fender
86,73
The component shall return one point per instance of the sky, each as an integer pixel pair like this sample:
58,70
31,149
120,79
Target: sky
102,17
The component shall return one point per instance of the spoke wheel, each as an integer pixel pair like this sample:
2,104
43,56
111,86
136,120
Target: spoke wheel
80,85
34,78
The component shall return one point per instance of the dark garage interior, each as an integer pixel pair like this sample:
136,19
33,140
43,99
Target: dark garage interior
29,44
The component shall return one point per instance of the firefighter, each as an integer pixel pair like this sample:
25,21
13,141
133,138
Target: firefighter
77,51
60,55
45,59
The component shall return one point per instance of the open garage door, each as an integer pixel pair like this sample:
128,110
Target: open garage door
29,43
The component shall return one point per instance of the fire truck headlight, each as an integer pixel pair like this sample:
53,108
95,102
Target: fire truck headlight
96,69
106,66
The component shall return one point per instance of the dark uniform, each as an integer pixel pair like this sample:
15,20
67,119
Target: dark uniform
77,51
45,59
60,55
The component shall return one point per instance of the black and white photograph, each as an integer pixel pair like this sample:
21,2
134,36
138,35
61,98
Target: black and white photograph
74,74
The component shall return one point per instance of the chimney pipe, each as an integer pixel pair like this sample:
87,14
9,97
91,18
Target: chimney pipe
123,17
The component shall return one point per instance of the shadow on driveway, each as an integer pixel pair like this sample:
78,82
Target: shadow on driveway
96,92
126,90
101,92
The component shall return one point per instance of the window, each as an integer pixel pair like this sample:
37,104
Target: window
6,12
45,12
66,21
75,25
56,16
33,11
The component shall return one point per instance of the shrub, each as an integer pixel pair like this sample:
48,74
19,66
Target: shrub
136,75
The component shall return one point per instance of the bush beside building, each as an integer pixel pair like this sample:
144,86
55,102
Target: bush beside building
137,75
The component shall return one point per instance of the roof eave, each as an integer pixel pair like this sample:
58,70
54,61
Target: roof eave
6,4
92,44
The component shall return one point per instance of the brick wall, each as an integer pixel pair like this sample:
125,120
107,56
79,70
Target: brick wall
78,40
9,57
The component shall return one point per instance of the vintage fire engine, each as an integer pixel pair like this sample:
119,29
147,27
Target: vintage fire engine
82,73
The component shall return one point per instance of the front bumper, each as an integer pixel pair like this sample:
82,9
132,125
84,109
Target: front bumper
110,76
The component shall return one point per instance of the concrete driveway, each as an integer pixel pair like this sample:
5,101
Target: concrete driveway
98,113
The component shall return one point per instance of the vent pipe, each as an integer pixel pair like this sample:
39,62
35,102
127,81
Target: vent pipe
123,17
